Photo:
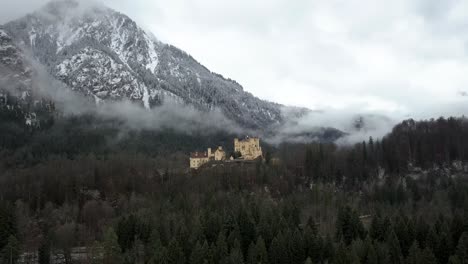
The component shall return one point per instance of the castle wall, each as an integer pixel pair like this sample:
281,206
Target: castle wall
249,148
195,163
198,160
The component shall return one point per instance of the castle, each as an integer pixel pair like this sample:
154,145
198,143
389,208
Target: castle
248,148
199,158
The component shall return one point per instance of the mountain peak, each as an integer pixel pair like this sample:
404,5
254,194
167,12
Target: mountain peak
105,55
58,10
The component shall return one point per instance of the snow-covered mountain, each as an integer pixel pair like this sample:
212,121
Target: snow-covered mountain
105,55
14,69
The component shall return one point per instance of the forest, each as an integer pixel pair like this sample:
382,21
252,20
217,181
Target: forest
79,182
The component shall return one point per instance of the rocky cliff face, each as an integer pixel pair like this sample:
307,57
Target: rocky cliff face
15,72
105,55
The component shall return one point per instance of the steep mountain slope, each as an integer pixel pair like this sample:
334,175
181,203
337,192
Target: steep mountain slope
105,55
14,70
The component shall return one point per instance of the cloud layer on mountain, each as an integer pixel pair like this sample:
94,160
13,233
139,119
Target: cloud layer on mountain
181,118
396,57
401,59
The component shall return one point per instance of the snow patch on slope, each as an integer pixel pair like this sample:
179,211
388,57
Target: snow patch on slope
153,56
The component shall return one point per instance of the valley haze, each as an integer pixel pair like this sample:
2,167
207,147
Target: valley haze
378,114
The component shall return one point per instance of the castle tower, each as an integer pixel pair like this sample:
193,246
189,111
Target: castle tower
249,148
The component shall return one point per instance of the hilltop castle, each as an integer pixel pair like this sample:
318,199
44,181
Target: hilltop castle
199,158
249,149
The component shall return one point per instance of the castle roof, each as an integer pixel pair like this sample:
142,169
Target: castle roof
247,139
198,155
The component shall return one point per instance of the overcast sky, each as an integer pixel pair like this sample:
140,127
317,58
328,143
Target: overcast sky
397,57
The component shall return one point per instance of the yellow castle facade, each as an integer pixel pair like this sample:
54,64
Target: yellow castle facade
197,159
249,148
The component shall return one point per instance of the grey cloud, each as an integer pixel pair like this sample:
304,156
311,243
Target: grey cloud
401,58
181,118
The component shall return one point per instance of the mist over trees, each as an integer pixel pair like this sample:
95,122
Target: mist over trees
78,181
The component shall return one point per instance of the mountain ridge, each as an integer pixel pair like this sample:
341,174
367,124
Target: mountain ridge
103,54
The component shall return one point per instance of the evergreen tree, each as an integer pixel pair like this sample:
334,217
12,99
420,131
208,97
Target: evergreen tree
11,251
111,248
199,254
262,254
252,254
345,256
348,226
395,254
401,230
372,257
461,254
175,254
427,257
341,256
44,251
414,254
376,230
297,249
277,252
328,249
247,230
160,256
7,223
312,244
444,248
220,249
236,257
126,232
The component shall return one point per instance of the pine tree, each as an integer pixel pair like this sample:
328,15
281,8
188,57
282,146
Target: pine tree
413,254
262,254
7,224
444,248
372,257
395,254
297,251
461,254
401,230
112,251
221,248
247,230
236,257
198,254
312,244
427,257
10,252
44,252
252,254
160,256
348,226
342,256
277,253
328,249
175,254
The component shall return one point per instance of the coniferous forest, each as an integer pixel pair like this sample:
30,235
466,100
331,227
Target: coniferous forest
79,183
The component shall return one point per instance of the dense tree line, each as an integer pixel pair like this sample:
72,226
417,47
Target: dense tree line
411,144
67,184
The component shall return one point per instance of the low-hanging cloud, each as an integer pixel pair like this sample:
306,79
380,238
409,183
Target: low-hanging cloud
178,117
383,60
347,126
